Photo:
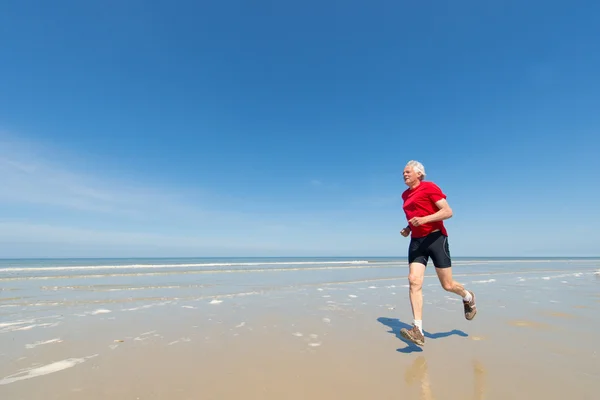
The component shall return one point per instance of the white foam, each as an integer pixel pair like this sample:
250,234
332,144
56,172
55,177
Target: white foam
353,296
189,307
14,327
154,266
486,281
215,301
314,344
13,323
314,336
240,325
44,370
326,320
100,311
33,345
297,334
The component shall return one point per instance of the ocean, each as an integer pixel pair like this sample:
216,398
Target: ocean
37,284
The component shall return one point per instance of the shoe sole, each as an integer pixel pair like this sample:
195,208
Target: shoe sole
407,337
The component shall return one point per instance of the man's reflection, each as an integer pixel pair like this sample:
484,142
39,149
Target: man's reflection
418,372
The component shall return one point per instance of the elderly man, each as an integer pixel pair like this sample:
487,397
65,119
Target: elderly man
426,208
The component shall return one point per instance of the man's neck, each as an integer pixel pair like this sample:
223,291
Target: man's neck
416,185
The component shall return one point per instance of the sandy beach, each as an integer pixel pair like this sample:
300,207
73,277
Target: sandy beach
298,331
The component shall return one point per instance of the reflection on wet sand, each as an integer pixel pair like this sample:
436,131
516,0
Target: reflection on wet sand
418,371
480,384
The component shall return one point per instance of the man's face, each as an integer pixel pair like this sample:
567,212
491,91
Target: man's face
410,176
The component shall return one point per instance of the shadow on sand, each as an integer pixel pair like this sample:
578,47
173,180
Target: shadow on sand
396,325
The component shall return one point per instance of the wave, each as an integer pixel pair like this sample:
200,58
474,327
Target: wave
151,266
213,271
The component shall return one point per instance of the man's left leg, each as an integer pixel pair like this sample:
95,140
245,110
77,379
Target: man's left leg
450,285
440,254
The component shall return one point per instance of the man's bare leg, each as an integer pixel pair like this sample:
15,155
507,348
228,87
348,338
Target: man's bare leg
450,285
415,280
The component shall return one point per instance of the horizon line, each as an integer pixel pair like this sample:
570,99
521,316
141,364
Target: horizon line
247,257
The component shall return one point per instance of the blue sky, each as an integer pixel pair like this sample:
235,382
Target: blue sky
155,128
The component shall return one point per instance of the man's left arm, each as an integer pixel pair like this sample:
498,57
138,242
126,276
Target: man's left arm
443,213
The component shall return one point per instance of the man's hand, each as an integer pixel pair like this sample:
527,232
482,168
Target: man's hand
418,221
405,232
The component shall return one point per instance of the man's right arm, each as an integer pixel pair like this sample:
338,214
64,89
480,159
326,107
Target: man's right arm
406,231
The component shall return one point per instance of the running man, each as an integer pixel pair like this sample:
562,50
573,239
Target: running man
426,208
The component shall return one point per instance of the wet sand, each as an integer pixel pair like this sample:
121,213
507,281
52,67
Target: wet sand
530,340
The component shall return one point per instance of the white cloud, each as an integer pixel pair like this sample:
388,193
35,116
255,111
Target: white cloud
50,234
29,178
61,205
65,210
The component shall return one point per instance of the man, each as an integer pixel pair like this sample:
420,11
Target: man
426,208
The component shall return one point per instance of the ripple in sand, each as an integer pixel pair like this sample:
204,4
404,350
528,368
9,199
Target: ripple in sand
528,324
179,341
559,314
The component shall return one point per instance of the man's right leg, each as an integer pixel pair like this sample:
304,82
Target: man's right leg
415,279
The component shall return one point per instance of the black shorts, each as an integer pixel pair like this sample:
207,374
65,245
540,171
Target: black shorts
434,245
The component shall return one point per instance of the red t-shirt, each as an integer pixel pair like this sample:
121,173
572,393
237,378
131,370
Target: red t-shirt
420,202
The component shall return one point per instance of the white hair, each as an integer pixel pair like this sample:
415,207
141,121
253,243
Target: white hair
417,167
